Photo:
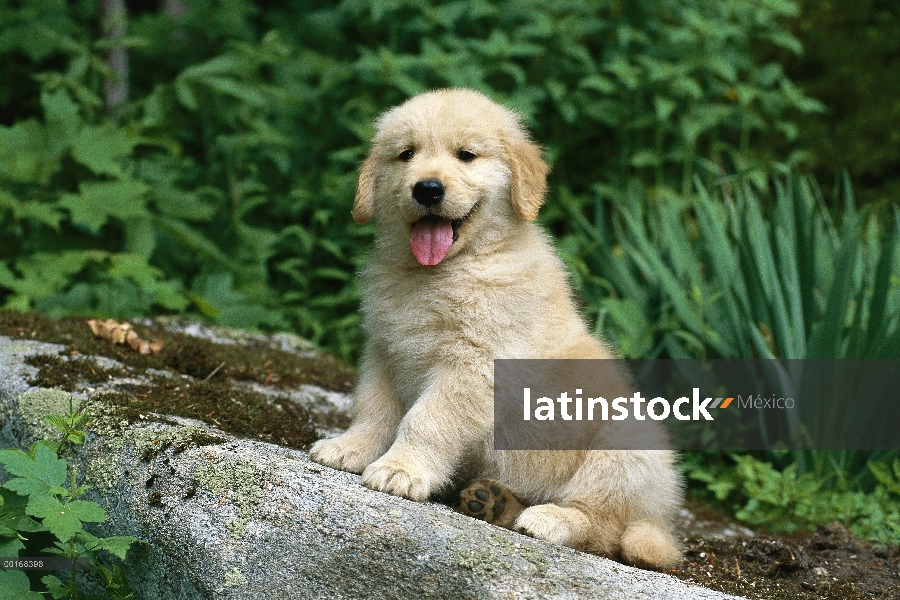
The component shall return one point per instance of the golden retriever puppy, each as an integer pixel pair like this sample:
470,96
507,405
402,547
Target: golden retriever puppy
459,276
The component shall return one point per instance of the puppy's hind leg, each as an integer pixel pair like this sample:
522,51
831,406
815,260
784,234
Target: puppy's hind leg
645,544
649,545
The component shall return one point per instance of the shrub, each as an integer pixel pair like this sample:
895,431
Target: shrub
223,188
860,127
732,273
790,498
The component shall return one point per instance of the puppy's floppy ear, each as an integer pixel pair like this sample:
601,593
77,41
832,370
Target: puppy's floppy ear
364,203
529,176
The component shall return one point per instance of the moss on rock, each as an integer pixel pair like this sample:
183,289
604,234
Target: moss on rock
242,483
34,405
208,374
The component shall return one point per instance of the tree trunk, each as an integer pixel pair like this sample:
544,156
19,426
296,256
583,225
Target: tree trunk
115,23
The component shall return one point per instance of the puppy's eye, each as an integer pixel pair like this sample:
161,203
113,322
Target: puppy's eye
406,155
465,156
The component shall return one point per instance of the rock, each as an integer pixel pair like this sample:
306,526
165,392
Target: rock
230,517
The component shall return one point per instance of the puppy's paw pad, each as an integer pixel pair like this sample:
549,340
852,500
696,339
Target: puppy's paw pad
489,501
339,454
396,479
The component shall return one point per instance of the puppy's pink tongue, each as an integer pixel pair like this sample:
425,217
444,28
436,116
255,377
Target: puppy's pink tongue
431,240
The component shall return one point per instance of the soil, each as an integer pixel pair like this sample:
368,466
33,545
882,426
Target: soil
253,359
830,563
206,391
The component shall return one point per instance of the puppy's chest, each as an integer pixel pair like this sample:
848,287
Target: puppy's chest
419,322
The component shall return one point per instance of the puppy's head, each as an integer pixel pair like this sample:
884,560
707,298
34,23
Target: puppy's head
448,170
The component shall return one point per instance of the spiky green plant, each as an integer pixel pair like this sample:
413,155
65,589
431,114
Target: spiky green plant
725,273
730,272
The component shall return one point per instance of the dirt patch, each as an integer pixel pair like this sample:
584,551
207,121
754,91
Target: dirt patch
830,563
65,373
236,411
252,359
218,403
206,393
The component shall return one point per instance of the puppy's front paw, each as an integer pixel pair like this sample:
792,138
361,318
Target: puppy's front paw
344,453
397,478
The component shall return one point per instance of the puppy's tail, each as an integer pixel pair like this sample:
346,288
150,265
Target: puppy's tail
649,545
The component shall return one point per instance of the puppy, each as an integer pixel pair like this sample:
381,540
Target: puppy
460,275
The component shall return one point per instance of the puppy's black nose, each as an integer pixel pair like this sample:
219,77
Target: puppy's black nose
428,192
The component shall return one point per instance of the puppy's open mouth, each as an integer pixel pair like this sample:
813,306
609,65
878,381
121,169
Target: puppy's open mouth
432,236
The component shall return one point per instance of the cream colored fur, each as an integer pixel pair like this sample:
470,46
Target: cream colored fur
423,413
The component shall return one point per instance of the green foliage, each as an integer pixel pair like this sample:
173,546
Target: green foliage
38,474
42,502
860,129
791,498
223,188
14,585
71,425
87,200
661,82
733,273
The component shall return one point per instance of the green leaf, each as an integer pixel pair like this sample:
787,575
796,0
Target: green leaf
23,153
87,511
664,107
61,110
9,545
14,585
56,587
645,158
238,90
13,517
635,338
598,83
35,211
140,237
33,475
57,421
64,520
195,241
43,274
185,94
117,544
100,201
99,147
884,476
